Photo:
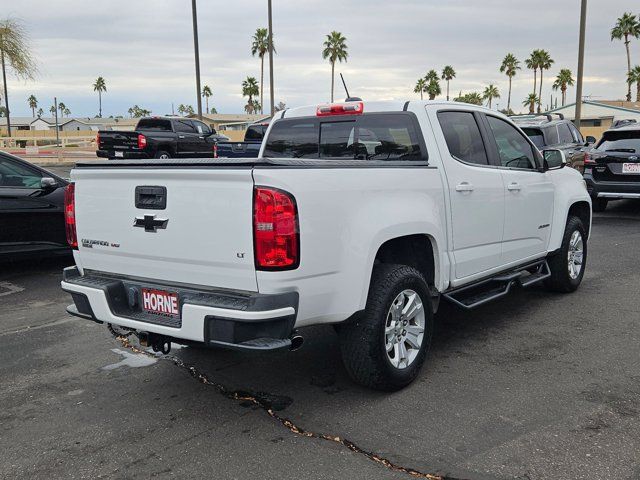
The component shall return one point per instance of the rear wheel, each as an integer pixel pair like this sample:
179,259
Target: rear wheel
161,154
385,348
567,266
599,204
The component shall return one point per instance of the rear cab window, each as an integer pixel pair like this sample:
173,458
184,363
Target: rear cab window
255,132
157,124
373,136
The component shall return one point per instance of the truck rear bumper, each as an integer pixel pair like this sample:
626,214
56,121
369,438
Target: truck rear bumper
612,190
242,320
111,154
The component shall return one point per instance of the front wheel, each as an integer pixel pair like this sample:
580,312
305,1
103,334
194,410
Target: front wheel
385,348
567,266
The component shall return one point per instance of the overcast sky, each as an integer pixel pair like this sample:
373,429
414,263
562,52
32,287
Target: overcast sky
144,49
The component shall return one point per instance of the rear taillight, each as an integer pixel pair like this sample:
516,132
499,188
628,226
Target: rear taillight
349,108
98,140
215,150
70,215
275,229
142,141
588,159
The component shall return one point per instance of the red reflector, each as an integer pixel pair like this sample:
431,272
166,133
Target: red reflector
350,108
275,229
98,140
215,150
142,141
70,215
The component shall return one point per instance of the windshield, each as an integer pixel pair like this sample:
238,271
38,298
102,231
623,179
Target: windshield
626,142
536,136
363,137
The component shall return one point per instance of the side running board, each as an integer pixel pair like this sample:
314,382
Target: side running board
479,293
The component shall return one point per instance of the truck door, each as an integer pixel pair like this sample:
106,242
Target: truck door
529,193
204,146
187,141
476,194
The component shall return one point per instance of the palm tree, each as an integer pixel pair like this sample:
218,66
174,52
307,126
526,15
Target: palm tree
510,66
250,89
15,53
490,93
634,77
52,110
544,63
448,74
67,112
563,80
260,47
40,112
530,102
33,104
431,75
421,87
100,86
532,63
62,107
335,49
433,88
473,98
206,93
626,26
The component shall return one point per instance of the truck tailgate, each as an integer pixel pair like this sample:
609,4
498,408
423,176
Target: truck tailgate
207,239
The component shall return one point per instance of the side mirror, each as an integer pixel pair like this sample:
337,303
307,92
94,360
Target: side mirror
554,159
590,139
213,131
47,183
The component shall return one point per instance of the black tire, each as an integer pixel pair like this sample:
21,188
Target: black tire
599,204
362,341
162,154
561,280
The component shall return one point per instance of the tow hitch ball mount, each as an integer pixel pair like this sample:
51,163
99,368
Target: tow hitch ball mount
158,343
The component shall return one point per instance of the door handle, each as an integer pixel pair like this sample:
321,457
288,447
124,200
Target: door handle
464,187
513,186
180,136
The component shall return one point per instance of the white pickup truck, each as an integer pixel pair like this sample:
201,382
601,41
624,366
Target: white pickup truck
361,215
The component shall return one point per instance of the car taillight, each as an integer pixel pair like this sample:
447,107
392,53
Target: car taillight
98,140
70,215
215,150
275,229
588,159
349,108
142,141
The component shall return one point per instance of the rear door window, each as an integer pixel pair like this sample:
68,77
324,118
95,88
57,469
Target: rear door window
462,134
564,133
158,124
577,136
393,136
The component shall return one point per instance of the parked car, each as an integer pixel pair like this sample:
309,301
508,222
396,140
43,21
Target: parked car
31,210
363,215
160,137
554,131
247,149
612,168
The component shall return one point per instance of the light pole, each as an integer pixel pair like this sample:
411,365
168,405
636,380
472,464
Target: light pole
271,90
583,24
197,54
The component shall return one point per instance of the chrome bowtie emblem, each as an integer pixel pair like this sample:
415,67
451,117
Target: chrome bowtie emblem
150,223
633,158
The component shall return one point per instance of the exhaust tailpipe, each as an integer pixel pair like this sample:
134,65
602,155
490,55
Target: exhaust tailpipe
296,342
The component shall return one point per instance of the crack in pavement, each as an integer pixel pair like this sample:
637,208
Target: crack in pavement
264,402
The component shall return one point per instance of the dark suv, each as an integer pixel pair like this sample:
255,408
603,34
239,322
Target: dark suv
548,132
612,168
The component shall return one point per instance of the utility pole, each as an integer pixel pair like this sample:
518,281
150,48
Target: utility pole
6,96
271,89
55,104
583,24
197,53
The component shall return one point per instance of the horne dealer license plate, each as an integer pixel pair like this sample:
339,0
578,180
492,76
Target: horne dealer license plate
160,302
120,154
631,168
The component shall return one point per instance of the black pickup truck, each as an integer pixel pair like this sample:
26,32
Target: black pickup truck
160,137
251,145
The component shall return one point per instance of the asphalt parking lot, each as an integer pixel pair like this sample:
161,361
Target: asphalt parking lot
534,386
